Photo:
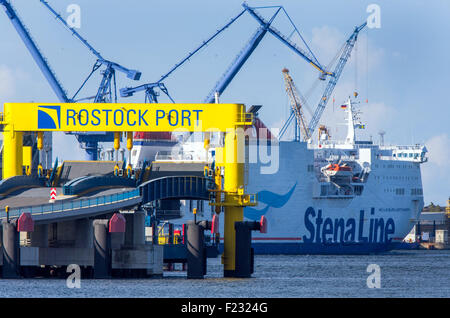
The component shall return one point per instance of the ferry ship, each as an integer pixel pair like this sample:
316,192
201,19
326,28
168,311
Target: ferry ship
329,197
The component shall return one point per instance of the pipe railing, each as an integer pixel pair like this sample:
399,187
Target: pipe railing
64,205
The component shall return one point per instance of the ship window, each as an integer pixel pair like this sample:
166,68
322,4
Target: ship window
358,190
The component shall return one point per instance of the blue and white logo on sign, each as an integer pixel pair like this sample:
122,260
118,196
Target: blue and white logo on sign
49,117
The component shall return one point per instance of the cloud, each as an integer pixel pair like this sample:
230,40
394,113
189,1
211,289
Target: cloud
439,150
326,41
377,115
436,176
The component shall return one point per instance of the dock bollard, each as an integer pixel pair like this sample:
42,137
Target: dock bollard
102,249
195,243
195,251
244,250
11,250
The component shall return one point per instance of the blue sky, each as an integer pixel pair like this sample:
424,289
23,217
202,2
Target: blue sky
401,67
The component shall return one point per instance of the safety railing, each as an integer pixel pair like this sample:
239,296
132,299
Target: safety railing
245,119
64,206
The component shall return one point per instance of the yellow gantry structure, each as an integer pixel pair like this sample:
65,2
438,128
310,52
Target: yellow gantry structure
230,119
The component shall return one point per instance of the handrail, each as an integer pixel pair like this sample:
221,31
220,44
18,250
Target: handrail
63,206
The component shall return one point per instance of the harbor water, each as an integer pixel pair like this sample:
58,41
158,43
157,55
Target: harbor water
402,274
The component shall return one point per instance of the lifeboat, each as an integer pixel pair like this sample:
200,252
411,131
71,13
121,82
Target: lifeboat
336,170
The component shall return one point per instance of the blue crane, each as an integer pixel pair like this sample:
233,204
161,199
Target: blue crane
35,52
149,88
89,142
104,91
308,56
344,56
239,61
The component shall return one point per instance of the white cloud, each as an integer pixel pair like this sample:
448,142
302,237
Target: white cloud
439,150
326,41
436,176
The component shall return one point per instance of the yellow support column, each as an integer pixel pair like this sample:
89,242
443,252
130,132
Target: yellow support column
40,146
234,183
27,159
116,152
129,147
12,152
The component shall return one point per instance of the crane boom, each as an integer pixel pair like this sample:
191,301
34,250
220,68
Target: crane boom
305,55
89,142
296,103
237,64
334,78
35,52
132,74
151,95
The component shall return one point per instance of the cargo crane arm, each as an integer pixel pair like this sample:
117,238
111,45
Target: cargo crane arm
149,88
104,89
88,141
350,43
35,52
240,60
309,57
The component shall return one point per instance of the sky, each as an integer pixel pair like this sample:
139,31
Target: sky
398,69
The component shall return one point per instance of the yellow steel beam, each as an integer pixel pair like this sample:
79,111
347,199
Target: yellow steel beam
124,117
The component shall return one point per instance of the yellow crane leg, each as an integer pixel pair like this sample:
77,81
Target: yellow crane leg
234,180
12,153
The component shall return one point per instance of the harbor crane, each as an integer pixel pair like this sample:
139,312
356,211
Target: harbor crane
344,56
239,61
296,100
88,141
105,91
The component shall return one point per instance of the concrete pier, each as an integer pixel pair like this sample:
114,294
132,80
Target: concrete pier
39,237
84,233
97,246
135,229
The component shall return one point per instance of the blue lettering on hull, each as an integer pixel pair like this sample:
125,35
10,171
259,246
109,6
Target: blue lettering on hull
328,230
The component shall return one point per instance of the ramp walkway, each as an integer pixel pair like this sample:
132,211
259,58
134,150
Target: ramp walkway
174,187
75,169
91,183
10,185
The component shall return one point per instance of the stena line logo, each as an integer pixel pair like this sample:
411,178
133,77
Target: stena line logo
327,230
49,117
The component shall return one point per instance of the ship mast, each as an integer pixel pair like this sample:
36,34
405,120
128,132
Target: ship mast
353,121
